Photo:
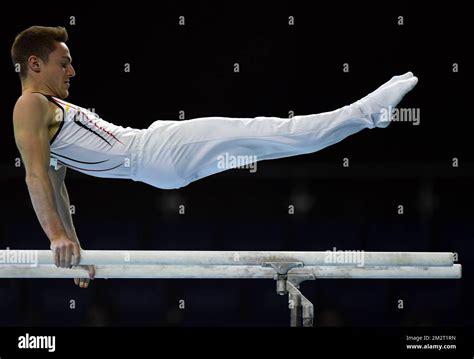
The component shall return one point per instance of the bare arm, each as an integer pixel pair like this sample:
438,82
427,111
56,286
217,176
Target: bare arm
62,201
63,205
30,121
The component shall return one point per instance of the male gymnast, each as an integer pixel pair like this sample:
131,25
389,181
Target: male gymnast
52,135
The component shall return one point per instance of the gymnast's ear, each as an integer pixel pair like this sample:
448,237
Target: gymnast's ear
35,63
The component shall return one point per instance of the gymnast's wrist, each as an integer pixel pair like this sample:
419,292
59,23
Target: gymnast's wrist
60,237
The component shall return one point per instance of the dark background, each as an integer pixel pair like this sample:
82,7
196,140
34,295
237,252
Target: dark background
282,68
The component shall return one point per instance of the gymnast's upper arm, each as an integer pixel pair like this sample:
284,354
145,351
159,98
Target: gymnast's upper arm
31,129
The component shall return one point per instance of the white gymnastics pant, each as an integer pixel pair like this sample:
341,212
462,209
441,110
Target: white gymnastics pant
172,154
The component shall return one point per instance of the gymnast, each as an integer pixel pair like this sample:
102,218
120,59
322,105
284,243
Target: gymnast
52,135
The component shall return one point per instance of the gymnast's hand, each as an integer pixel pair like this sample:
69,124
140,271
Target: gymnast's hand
84,282
66,253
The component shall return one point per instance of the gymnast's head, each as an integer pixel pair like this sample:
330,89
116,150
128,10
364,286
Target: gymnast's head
42,59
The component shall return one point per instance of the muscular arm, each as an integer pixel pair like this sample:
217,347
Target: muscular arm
30,121
62,204
62,201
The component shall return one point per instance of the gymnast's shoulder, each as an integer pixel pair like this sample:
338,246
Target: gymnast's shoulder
31,107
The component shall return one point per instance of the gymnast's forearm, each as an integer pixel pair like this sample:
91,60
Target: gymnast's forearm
43,200
63,205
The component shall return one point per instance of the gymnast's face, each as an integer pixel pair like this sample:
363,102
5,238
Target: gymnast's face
56,73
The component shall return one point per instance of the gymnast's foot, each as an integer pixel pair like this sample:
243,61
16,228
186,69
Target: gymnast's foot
394,79
379,105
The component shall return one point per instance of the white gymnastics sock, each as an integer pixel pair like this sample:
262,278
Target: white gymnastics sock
380,104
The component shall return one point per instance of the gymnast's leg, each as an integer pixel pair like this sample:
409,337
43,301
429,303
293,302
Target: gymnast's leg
174,154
